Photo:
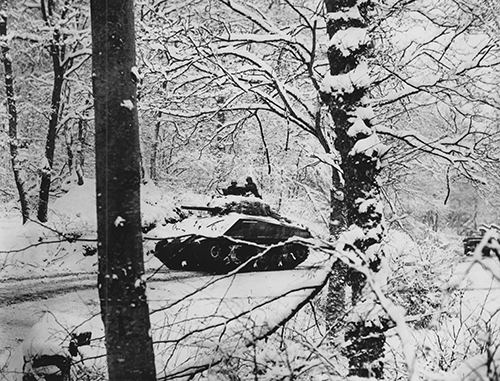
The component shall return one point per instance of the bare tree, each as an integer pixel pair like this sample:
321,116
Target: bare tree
57,53
12,112
124,306
437,100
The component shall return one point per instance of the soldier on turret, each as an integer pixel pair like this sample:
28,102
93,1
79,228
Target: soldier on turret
234,189
251,187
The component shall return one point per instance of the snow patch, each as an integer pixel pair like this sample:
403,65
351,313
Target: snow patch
365,113
366,311
375,233
347,238
349,40
127,103
369,146
136,75
365,204
156,46
359,127
44,164
348,82
332,159
351,14
120,221
140,282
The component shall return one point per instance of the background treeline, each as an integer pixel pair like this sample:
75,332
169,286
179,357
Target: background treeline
221,97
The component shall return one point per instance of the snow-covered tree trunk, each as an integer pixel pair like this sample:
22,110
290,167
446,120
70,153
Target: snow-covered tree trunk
355,201
122,288
56,50
12,111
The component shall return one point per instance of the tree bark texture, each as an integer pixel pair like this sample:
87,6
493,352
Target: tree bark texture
80,156
69,148
359,177
355,194
154,150
57,50
12,112
124,307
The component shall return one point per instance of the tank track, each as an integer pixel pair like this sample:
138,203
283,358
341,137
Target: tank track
221,255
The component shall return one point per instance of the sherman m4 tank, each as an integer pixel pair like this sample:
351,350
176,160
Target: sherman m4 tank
238,231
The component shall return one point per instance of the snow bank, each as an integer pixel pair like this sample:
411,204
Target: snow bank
157,207
198,321
43,249
50,335
33,250
459,300
76,210
481,296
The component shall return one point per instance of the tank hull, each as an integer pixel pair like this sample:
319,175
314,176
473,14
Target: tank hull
252,243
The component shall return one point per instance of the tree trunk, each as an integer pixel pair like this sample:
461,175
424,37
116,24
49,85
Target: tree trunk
154,149
355,194
56,50
50,145
124,307
12,113
80,157
69,148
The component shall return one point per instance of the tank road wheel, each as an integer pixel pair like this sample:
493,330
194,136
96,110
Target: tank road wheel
213,256
285,257
293,255
269,261
168,253
216,252
242,254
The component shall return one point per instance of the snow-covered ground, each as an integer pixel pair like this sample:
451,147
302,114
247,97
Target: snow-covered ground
196,321
457,297
37,249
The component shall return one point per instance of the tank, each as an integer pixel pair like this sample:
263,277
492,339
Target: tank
474,238
234,230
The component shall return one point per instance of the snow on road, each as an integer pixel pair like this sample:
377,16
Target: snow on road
196,320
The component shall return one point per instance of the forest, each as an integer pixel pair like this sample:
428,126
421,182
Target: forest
371,130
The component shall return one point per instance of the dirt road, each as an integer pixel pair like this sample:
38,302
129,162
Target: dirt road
14,291
23,301
215,314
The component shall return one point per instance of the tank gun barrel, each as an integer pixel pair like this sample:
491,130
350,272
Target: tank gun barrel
204,208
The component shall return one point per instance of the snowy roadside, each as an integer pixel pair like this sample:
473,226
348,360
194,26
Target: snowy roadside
61,245
455,302
196,321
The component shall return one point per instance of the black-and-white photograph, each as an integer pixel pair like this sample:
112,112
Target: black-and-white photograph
249,190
